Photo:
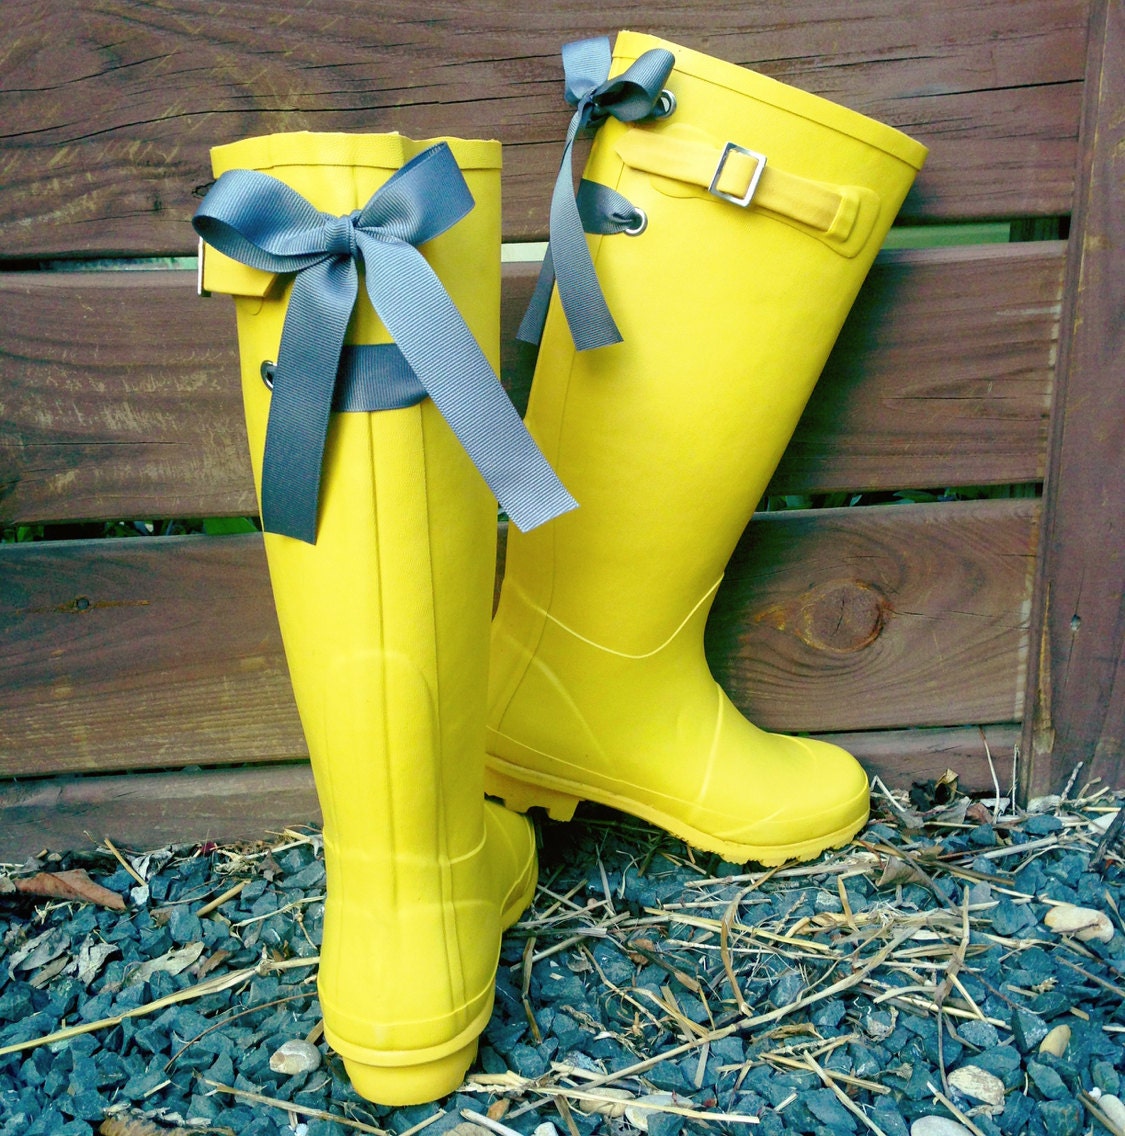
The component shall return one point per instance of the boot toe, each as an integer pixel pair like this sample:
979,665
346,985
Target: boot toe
792,800
820,801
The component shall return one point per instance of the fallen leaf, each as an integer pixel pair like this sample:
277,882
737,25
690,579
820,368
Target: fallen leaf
607,1100
217,959
144,865
72,886
39,951
171,962
138,1126
1099,824
896,871
926,795
91,957
42,977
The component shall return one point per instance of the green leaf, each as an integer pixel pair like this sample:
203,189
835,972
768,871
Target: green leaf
224,526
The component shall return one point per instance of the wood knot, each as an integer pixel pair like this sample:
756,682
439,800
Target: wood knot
841,616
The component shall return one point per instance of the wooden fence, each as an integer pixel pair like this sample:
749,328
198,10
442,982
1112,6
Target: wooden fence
143,689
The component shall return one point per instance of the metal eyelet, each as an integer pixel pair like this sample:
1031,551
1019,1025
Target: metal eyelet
666,104
640,223
267,370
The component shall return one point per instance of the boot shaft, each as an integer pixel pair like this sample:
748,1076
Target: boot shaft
727,312
384,617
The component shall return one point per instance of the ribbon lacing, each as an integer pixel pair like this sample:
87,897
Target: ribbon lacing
631,96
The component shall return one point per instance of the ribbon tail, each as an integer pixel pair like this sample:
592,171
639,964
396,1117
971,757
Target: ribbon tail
311,341
448,361
531,326
587,313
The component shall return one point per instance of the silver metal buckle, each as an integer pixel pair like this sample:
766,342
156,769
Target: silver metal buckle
199,273
751,189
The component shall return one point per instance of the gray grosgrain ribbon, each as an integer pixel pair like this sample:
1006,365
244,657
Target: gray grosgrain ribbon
258,220
629,97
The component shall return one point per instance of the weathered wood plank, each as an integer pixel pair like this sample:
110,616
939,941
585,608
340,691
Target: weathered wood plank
119,398
942,375
1076,687
162,652
108,110
983,757
123,654
846,619
151,810
119,392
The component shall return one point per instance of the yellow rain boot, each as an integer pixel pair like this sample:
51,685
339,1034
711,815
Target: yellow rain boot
385,616
747,214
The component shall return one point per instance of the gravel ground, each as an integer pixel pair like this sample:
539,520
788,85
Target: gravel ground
957,969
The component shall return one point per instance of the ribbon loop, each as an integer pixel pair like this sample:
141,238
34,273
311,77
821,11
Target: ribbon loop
629,97
258,220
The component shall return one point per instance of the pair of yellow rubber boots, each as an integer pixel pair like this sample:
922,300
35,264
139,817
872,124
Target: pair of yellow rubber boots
752,214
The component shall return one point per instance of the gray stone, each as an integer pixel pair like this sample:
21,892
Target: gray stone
97,1007
825,1106
1018,1111
86,1104
827,901
528,1062
1105,1077
1028,1029
729,1051
615,966
888,1118
1009,919
787,989
983,836
670,1078
1062,1117
1004,1062
184,925
829,1014
1050,1004
562,986
295,1056
141,1085
664,1124
937,1125
1047,1081
981,1035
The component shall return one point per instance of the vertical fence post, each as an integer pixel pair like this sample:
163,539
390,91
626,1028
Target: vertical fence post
1075,703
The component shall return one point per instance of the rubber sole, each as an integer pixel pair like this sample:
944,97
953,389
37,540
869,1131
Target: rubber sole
520,792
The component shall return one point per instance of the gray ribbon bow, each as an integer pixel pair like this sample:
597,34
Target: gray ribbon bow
630,97
259,221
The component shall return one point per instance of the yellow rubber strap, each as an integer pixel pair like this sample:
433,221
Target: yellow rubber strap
729,172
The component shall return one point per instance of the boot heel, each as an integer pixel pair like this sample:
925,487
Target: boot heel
411,1084
519,796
